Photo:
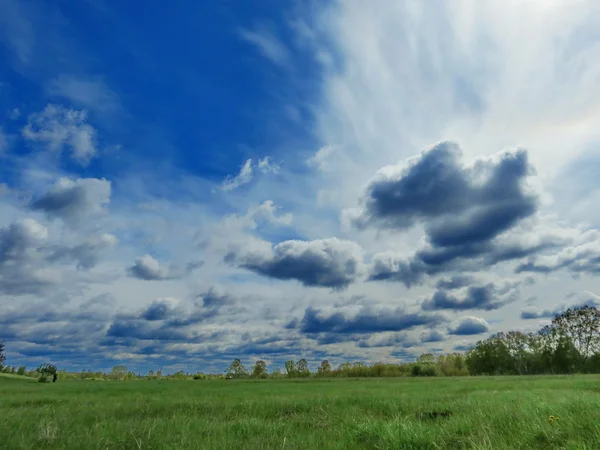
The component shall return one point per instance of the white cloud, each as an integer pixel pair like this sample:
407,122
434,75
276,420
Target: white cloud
92,93
243,177
246,174
268,45
58,128
266,165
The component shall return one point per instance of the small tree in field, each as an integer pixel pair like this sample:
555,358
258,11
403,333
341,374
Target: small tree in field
237,369
119,372
302,368
290,369
324,369
260,369
46,370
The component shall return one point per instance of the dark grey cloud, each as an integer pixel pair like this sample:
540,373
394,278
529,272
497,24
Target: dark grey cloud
331,263
30,263
74,200
168,319
86,254
459,205
464,209
148,268
455,282
470,325
463,348
22,268
366,321
430,261
160,309
487,298
432,336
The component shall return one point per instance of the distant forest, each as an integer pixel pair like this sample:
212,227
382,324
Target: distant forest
570,344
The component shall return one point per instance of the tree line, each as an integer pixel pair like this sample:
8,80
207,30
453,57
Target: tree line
569,344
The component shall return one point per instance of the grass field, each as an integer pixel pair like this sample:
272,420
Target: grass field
485,413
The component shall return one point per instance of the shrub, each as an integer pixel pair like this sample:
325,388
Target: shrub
424,370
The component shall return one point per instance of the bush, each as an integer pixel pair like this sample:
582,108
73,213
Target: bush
43,379
425,370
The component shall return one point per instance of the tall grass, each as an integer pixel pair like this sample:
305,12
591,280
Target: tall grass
483,413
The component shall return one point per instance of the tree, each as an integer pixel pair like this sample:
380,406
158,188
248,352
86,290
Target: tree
302,368
260,369
324,368
237,369
45,370
426,358
290,369
119,372
582,327
2,355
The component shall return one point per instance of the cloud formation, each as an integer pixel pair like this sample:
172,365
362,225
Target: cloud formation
59,128
332,263
148,268
470,325
73,200
463,209
458,204
488,297
366,321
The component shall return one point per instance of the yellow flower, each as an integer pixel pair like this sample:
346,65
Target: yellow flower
552,419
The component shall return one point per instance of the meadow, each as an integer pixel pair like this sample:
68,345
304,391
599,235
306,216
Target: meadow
400,413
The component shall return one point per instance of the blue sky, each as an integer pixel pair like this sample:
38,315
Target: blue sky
185,184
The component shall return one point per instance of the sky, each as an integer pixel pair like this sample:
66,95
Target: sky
184,184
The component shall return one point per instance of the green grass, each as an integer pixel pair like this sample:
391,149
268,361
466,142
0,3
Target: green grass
487,413
16,377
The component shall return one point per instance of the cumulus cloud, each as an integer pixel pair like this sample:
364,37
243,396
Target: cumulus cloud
458,204
73,200
332,263
432,336
366,321
169,319
455,282
267,211
21,268
465,211
59,128
487,297
470,325
266,165
148,268
87,253
160,309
